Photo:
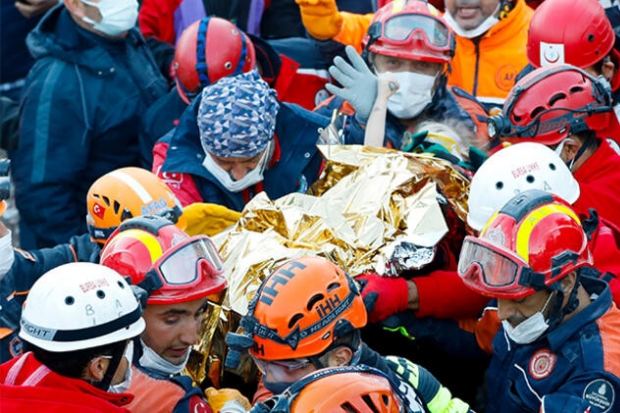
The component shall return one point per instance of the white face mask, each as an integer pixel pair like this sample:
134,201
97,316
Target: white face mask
7,255
251,178
415,92
476,31
530,329
153,361
117,16
123,386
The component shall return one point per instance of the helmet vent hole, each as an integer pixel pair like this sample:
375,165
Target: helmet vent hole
576,89
368,401
590,37
315,299
294,320
557,97
530,179
537,111
499,185
332,287
552,166
69,300
106,200
120,284
346,407
100,294
117,206
385,399
228,65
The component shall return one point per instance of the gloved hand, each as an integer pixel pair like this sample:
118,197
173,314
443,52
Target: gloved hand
437,398
227,401
321,18
383,296
360,84
208,219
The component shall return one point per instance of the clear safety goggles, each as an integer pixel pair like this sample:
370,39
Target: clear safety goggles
190,262
401,28
494,271
281,370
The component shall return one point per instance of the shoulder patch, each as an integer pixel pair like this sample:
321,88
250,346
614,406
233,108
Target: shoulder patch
542,364
198,405
600,394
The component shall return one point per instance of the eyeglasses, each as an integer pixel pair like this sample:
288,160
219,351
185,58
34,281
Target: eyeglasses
405,26
281,370
494,271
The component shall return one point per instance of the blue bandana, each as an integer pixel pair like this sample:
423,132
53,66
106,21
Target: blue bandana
237,116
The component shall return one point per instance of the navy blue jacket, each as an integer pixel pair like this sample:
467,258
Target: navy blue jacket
298,167
26,269
443,107
80,118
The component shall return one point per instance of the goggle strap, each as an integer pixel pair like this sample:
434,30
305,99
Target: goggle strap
151,282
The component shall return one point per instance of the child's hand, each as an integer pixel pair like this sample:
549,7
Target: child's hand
387,85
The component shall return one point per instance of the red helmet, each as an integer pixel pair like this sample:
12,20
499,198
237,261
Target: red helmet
534,240
412,30
169,264
565,31
349,389
552,103
300,310
208,50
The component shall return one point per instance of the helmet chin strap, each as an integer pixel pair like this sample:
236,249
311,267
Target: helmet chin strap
557,312
117,356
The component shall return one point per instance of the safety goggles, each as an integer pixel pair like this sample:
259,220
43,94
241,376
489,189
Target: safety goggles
189,262
495,272
281,370
401,28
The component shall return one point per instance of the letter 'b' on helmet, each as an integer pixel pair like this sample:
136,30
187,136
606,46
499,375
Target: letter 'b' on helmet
515,169
301,308
126,193
209,50
79,306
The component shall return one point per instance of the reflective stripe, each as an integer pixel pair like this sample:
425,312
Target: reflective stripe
531,220
135,186
148,240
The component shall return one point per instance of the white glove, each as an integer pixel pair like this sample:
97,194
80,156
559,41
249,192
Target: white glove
233,407
360,84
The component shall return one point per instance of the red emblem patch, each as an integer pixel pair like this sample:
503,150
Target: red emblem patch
542,364
98,210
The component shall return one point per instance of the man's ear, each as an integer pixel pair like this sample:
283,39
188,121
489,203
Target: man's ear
568,282
571,147
341,356
608,68
96,369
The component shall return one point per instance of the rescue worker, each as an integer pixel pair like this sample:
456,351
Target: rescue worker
307,315
77,323
559,328
565,108
180,275
413,46
238,140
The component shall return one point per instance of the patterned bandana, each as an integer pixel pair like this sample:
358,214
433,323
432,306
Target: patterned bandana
237,116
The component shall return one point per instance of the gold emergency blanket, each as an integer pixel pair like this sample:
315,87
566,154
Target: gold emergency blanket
366,199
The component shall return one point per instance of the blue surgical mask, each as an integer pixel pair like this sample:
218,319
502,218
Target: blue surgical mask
276,387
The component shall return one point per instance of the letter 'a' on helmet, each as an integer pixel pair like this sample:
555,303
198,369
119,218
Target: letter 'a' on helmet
301,308
515,169
208,50
565,31
166,262
551,103
78,306
126,193
349,389
412,30
534,240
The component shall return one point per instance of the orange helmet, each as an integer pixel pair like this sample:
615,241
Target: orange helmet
359,389
208,50
166,262
299,311
126,193
412,30
532,242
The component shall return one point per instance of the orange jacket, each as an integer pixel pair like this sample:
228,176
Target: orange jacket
487,68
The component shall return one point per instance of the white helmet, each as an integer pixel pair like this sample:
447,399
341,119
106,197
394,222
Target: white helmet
514,169
78,306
